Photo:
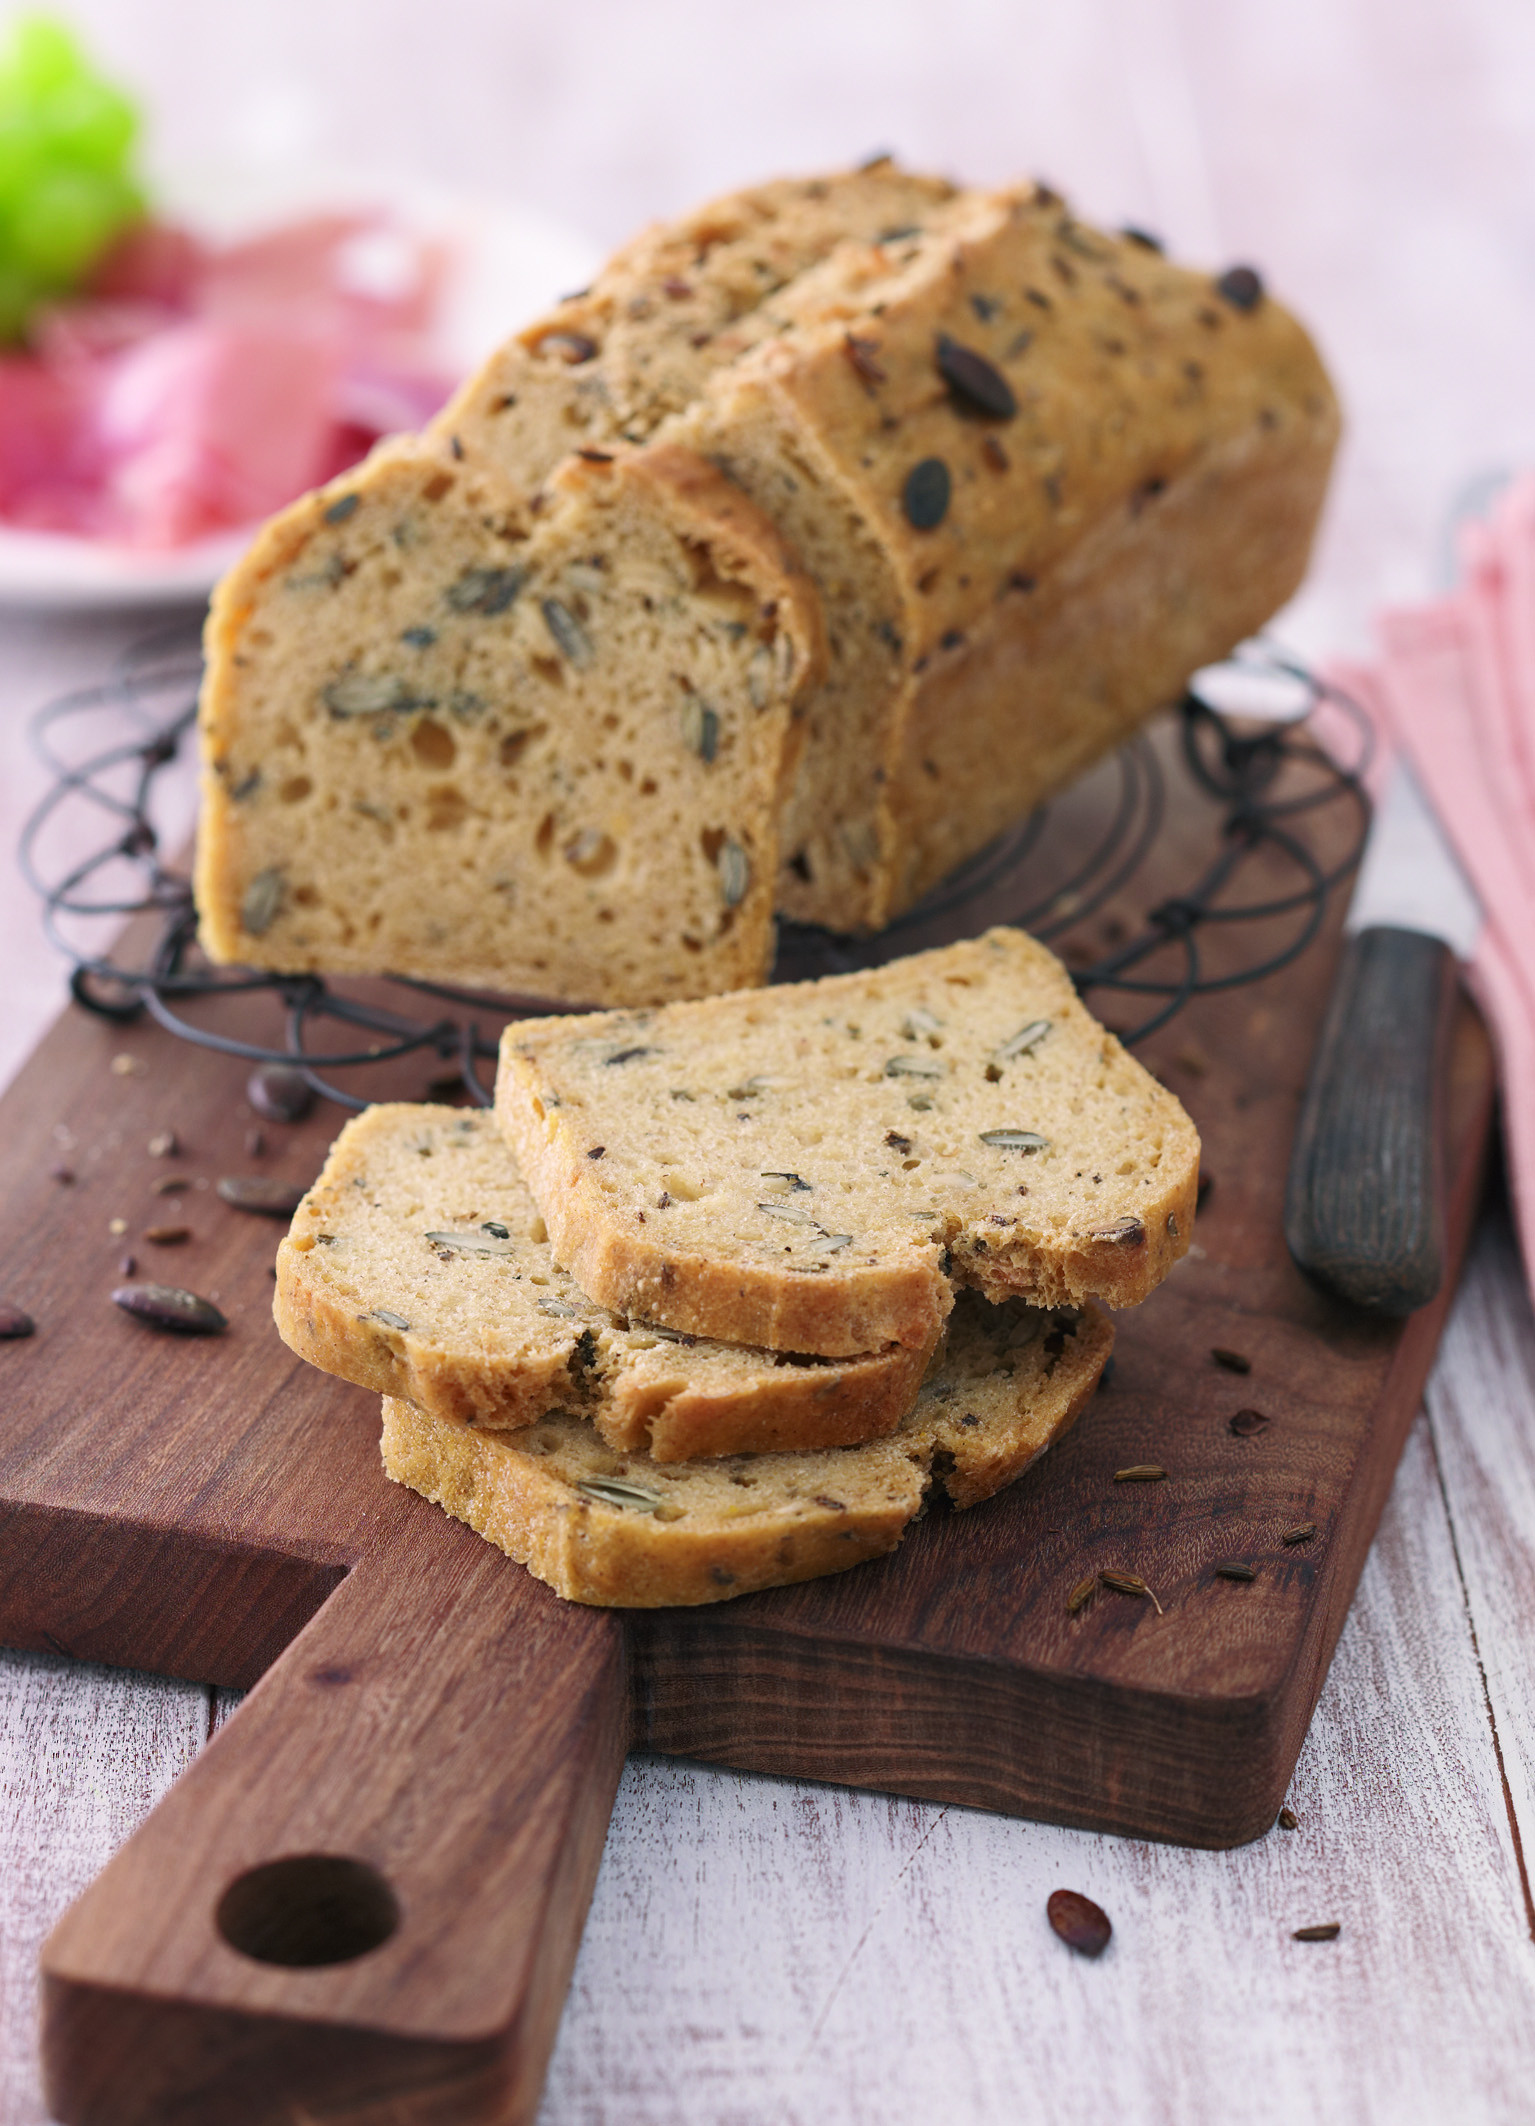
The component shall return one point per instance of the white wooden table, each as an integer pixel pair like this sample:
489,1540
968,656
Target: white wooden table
760,1951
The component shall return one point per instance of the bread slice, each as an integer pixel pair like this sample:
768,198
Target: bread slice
625,1531
548,764
417,1266
816,1167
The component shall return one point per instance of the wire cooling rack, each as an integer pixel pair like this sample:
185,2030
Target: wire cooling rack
1266,785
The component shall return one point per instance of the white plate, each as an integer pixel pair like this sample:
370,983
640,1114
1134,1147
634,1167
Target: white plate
508,264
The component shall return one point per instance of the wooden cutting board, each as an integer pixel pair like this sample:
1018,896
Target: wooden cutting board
433,1742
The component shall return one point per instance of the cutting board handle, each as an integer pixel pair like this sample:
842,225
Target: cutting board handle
1364,1210
364,1899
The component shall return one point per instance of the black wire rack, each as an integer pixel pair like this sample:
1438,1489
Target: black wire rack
1266,783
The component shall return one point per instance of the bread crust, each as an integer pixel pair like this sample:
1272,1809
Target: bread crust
987,1413
1052,679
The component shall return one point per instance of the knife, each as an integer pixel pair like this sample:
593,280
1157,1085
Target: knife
1364,1209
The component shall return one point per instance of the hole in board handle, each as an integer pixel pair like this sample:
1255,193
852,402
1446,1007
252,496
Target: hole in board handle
307,1910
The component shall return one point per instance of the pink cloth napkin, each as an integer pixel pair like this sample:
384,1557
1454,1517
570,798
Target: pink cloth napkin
1454,688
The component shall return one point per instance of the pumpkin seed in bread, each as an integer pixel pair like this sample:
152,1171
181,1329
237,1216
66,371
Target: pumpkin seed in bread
816,1167
624,1531
548,764
417,1266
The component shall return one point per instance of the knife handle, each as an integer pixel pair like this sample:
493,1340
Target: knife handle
1364,1210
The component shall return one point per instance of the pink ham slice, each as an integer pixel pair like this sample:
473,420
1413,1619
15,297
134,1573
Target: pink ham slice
199,389
209,424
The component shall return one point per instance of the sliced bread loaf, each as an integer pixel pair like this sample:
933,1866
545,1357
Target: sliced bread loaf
680,300
625,1531
816,1167
1039,474
548,764
417,1266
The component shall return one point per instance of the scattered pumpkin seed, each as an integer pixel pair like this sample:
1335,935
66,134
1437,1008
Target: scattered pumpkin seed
262,1193
1130,1583
168,1306
280,1092
1080,1923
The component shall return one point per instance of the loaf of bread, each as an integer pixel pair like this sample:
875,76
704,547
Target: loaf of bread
1039,475
1036,473
623,1530
417,1266
816,1167
549,764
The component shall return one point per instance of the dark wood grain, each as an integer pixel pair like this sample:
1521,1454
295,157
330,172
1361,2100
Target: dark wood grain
1364,1210
198,1505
